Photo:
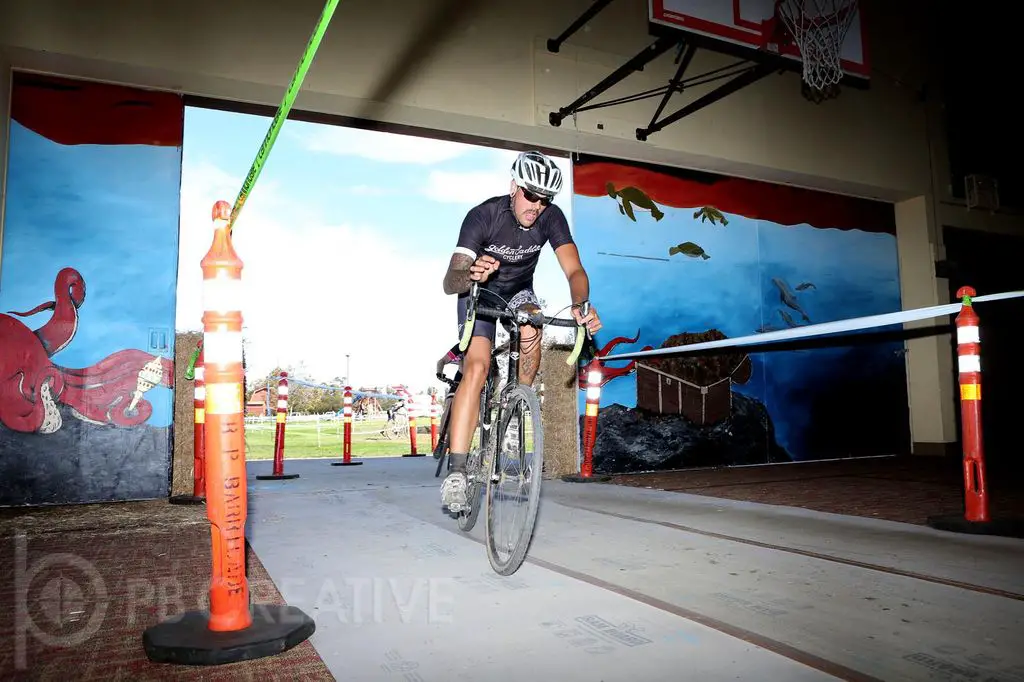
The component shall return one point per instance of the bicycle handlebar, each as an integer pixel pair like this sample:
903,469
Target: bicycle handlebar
520,318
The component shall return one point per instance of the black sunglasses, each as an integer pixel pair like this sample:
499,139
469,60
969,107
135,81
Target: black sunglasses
534,198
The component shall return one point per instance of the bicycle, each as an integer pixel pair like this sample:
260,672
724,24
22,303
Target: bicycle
395,427
484,475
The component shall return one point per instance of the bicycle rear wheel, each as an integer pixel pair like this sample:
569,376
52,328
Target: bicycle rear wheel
513,487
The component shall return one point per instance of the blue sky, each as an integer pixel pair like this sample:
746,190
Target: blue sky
345,240
77,206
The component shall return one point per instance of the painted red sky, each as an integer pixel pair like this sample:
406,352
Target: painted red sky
78,112
752,199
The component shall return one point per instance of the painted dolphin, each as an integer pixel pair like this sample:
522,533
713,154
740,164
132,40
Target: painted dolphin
789,298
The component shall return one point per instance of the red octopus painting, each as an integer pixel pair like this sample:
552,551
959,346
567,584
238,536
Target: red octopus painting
111,392
609,373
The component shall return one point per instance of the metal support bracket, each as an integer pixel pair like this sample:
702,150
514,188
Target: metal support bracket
637,63
554,44
687,46
748,77
675,85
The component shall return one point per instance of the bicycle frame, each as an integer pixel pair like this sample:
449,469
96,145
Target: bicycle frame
518,318
486,396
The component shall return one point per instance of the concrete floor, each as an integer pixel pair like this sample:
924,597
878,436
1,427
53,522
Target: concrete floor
630,584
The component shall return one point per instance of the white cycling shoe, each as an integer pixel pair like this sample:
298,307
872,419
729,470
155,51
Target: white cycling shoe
453,492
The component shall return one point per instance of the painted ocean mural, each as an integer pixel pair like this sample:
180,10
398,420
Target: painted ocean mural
676,258
87,292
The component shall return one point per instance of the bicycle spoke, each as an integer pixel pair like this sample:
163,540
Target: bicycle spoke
513,491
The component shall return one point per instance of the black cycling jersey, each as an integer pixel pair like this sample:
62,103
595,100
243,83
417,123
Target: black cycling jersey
492,228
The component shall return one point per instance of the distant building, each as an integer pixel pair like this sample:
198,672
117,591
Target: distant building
256,406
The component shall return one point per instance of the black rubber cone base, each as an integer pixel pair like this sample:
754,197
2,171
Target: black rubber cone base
187,639
275,477
418,454
1005,527
346,464
593,478
187,499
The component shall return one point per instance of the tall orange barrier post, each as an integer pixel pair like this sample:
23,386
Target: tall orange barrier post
347,447
279,429
976,517
593,402
411,411
968,351
231,630
434,409
198,495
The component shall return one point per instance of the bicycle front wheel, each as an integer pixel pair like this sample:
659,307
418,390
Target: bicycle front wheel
513,487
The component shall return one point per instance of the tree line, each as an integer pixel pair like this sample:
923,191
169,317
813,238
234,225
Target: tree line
303,399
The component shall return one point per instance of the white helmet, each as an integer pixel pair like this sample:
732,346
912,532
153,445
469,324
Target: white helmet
537,173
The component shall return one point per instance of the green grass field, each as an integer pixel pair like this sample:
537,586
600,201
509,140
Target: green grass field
301,439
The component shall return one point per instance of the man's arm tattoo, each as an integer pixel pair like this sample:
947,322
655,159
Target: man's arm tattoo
456,280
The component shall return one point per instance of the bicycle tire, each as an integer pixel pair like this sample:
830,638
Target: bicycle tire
515,397
475,490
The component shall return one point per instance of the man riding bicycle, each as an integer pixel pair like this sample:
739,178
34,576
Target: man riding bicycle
499,245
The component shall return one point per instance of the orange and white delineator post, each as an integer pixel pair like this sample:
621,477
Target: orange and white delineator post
410,409
226,499
233,629
435,409
968,351
593,402
279,430
347,417
595,379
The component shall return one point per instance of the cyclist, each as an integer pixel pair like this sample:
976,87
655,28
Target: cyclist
498,246
452,356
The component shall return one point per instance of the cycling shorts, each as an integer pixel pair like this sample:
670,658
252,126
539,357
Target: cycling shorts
485,326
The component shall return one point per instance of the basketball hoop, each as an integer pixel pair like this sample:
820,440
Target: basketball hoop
819,28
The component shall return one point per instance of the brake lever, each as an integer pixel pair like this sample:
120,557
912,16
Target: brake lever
585,310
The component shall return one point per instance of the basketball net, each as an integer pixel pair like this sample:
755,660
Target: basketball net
819,28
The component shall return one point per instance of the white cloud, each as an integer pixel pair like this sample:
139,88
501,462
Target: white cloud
314,292
468,187
379,146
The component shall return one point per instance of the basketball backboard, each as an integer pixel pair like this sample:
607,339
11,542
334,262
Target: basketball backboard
745,24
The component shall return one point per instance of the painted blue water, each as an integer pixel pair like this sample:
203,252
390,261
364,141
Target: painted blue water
110,212
737,291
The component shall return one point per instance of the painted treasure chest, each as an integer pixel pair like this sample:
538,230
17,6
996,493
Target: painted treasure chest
698,387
